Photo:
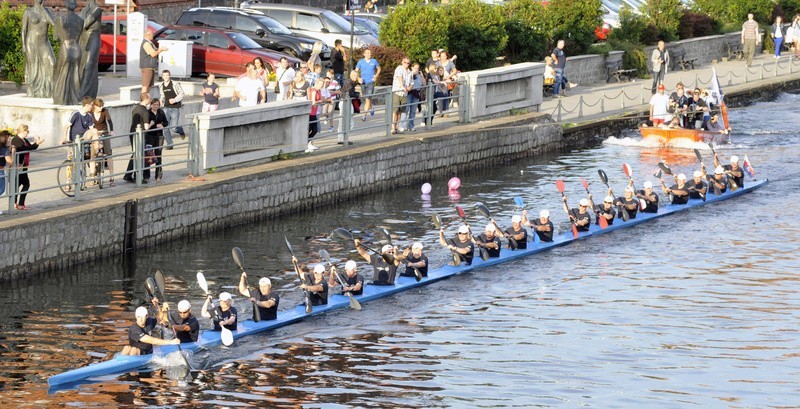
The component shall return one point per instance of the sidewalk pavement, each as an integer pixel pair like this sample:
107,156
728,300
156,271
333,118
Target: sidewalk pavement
584,100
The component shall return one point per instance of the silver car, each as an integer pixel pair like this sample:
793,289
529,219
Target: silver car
321,24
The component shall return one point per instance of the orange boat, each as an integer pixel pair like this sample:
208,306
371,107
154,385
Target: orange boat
671,137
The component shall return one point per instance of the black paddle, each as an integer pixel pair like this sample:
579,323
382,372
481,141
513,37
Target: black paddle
345,234
159,284
702,166
238,258
354,304
622,210
437,222
482,209
601,220
388,237
306,295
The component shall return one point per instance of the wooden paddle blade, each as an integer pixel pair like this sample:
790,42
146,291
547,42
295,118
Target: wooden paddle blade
238,257
658,174
343,233
560,186
288,245
601,220
603,176
482,209
227,337
585,184
160,283
150,286
354,304
663,166
437,222
699,155
518,201
461,213
456,259
201,281
325,256
574,231
627,169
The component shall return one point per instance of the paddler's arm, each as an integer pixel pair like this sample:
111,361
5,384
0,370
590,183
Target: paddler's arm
204,311
525,221
331,278
497,231
362,252
264,304
442,239
664,187
148,339
243,290
228,321
314,288
716,160
566,209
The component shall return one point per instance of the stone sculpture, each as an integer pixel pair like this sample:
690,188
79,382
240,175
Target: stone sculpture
67,78
39,59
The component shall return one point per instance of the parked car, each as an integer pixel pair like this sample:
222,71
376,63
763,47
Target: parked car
262,29
106,57
222,52
364,24
376,17
321,24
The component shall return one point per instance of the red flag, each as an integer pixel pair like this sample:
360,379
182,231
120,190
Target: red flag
748,167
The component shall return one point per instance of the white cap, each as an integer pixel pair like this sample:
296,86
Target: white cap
386,248
319,268
184,306
350,265
516,219
734,159
224,296
719,170
416,246
141,312
584,202
463,229
681,176
609,199
489,227
698,174
264,281
648,185
544,213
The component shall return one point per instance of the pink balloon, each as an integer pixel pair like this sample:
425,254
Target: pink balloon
426,188
454,183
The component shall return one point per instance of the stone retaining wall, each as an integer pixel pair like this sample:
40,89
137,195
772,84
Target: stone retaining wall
704,49
591,69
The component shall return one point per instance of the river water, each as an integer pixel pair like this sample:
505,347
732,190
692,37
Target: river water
697,309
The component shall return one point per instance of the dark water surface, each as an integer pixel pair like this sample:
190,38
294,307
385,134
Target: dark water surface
697,309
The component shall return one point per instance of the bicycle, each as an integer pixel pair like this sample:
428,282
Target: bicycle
65,172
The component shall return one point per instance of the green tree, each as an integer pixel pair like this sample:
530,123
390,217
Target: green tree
525,25
12,59
664,15
476,33
736,10
574,21
416,29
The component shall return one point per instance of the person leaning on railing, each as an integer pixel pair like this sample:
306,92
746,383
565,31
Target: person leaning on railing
105,129
6,159
20,143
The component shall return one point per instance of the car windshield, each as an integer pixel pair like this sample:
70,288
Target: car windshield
273,26
244,42
336,24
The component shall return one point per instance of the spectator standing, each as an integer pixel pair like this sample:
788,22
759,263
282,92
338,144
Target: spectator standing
401,84
148,60
435,76
433,60
79,122
795,27
105,129
332,92
20,143
370,70
315,96
750,38
337,61
309,74
660,59
171,97
776,32
6,159
445,62
140,117
560,62
314,59
155,137
263,75
350,88
210,94
414,96
249,89
284,78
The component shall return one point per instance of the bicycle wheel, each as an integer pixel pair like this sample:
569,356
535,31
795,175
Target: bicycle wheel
98,170
64,178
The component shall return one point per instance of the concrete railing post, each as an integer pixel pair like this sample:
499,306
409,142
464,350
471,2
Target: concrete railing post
429,104
580,107
12,176
463,102
558,108
389,104
138,155
762,70
346,109
603,103
194,148
77,167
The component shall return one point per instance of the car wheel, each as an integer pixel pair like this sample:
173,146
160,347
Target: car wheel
103,67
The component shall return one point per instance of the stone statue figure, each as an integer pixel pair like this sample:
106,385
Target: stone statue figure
39,59
90,45
67,80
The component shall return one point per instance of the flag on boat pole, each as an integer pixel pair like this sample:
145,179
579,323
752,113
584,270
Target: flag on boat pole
716,90
748,167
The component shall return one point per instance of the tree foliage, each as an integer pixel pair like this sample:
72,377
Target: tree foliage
664,15
574,21
415,28
476,33
527,29
12,58
736,10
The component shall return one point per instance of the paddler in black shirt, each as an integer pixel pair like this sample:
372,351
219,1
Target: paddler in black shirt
679,191
354,282
650,198
607,211
542,226
185,325
225,315
718,181
581,215
461,244
629,202
262,298
383,272
516,234
697,188
140,338
488,240
734,171
415,259
317,288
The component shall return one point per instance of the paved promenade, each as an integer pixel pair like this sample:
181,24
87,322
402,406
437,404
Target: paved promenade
584,103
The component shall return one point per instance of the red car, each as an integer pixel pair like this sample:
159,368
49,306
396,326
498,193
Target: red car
107,39
222,52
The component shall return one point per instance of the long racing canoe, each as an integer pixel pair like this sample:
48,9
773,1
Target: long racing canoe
121,364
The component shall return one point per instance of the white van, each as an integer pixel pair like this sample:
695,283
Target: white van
321,24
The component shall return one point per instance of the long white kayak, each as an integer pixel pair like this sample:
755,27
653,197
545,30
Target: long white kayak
121,364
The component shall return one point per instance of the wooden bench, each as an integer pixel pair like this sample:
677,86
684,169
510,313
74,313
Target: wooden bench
735,51
679,59
614,70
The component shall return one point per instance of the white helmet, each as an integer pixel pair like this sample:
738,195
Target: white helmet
319,268
350,265
184,306
544,213
264,281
